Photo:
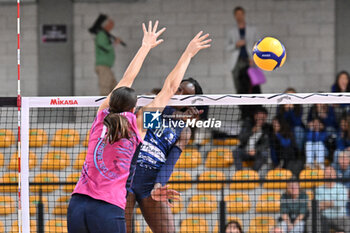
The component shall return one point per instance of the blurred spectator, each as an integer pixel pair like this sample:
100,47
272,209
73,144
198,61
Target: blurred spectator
343,139
332,198
293,209
240,42
292,114
342,84
254,138
233,227
283,149
342,166
315,148
104,52
276,230
326,114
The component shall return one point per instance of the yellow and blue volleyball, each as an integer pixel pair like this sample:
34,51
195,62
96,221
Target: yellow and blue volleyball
269,54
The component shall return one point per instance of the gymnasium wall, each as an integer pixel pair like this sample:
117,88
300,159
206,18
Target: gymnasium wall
306,28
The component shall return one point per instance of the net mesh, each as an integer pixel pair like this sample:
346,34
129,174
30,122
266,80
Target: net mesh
238,172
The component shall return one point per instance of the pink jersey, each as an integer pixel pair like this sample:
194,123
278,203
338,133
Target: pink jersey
107,167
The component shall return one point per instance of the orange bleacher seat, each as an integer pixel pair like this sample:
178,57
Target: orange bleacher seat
56,226
137,227
245,175
229,219
311,174
10,177
268,203
211,176
226,142
1,159
177,206
219,157
237,203
73,177
261,224
33,204
61,206
148,230
2,228
14,228
45,178
194,224
79,161
13,165
37,138
65,138
55,160
202,204
190,158
7,205
7,138
310,194
138,210
180,176
86,139
277,174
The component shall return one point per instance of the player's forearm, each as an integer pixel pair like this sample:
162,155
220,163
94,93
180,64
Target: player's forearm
175,77
135,66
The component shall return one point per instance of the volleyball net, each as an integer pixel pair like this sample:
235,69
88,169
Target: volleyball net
246,155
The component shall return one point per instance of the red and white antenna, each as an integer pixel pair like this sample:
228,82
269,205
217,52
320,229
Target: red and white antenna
19,114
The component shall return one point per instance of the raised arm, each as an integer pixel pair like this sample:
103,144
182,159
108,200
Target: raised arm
149,41
175,77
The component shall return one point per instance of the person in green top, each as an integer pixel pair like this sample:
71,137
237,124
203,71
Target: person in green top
293,209
105,54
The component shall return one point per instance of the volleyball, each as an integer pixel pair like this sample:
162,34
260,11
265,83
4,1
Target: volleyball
269,54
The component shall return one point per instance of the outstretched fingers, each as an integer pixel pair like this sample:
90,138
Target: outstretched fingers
155,27
144,28
160,32
150,26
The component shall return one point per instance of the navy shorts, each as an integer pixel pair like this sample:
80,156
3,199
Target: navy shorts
143,183
86,214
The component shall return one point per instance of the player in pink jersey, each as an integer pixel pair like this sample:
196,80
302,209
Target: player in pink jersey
99,198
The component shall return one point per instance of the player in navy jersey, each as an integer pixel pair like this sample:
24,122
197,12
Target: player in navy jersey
159,153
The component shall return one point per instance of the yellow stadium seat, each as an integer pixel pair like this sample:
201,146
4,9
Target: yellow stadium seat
137,227
56,226
229,219
61,206
190,158
245,175
37,137
14,228
79,161
277,174
13,165
10,177
237,203
86,140
1,159
45,178
310,194
7,138
2,228
194,224
268,203
148,230
33,204
226,142
311,174
7,205
65,138
202,204
261,224
177,206
55,160
211,176
180,176
138,210
73,177
219,157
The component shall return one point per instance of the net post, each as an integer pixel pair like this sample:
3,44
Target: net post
24,197
222,211
314,207
40,215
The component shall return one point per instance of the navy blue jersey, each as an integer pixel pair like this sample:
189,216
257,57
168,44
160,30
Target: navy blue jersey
157,143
